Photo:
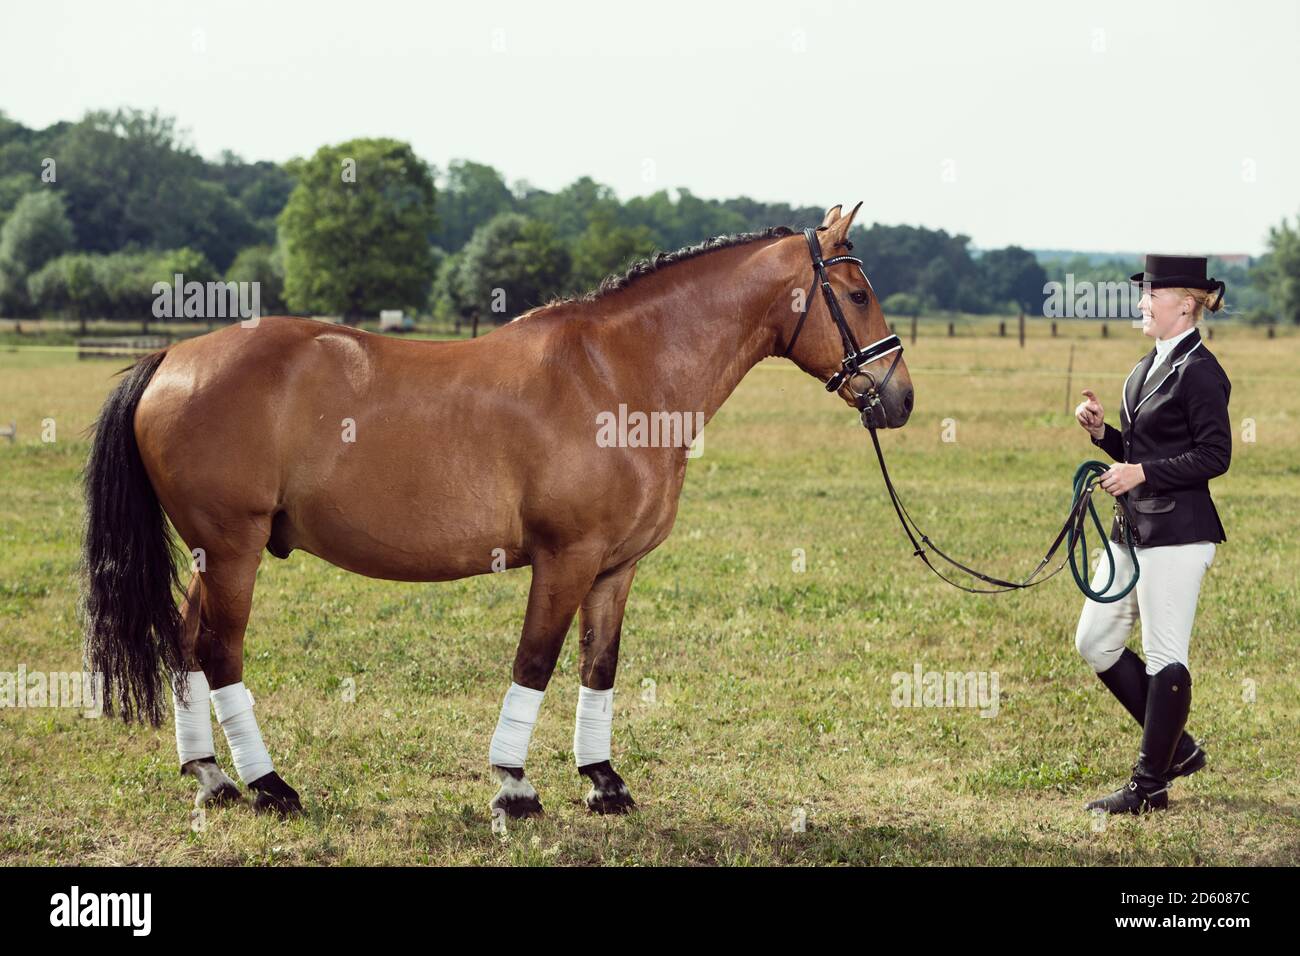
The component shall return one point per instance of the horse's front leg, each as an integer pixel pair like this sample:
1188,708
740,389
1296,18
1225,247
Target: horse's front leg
601,626
560,581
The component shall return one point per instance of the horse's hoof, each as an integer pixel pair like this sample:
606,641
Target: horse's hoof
608,793
273,795
516,799
607,803
223,793
517,808
215,788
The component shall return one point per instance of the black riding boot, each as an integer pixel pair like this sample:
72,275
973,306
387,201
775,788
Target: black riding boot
1127,679
1169,698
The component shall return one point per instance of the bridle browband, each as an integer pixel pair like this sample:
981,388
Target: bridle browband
868,399
855,357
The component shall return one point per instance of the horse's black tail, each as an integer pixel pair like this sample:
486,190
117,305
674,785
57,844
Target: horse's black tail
132,625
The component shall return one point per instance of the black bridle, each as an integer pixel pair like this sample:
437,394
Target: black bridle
851,372
867,399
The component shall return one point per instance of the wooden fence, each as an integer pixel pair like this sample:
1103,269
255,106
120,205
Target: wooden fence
122,346
1071,328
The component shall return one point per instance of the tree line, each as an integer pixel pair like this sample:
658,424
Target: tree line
94,213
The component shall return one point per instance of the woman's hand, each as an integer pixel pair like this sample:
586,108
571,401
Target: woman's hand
1121,478
1091,415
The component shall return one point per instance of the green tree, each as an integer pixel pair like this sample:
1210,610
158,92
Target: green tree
903,303
265,266
261,189
36,232
606,248
356,229
68,286
131,180
760,215
211,222
1013,275
685,221
1278,273
927,262
187,262
447,299
512,264
126,279
571,209
938,283
471,195
12,188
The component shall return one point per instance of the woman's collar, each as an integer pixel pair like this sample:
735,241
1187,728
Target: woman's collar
1165,346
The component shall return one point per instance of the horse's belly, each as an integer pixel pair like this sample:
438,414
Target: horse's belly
413,550
392,533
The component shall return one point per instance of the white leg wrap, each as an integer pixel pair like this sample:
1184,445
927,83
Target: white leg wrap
194,720
593,725
234,707
515,726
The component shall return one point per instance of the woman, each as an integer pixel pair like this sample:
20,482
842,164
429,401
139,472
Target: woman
1174,437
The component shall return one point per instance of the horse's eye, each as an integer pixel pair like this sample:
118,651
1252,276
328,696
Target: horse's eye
859,297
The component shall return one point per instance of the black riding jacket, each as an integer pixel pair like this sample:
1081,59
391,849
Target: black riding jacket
1176,427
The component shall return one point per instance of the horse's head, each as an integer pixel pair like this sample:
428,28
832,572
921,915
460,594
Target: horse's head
819,344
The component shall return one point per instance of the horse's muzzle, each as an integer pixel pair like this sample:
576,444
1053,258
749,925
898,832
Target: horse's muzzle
878,408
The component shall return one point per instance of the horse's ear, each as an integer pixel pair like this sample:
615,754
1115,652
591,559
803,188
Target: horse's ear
839,230
831,216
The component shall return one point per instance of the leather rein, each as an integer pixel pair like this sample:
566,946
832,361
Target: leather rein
866,393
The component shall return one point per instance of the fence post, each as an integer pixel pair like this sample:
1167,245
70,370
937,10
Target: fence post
1209,332
1002,330
1271,330
1022,330
1069,379
913,328
1105,331
1053,330
951,333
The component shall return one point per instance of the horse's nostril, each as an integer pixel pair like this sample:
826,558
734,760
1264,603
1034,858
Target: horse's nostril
907,401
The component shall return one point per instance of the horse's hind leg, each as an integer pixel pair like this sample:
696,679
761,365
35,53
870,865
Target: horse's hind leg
601,625
194,744
227,598
559,583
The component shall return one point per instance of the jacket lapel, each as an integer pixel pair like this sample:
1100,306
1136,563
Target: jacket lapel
1172,361
1152,383
1134,384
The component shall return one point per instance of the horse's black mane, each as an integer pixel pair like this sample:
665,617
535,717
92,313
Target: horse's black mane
645,267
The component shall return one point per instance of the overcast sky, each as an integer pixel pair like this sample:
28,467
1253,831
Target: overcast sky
1158,126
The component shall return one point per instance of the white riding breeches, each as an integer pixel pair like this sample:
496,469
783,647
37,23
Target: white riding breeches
1164,600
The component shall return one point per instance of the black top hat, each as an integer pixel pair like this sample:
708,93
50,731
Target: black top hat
1178,272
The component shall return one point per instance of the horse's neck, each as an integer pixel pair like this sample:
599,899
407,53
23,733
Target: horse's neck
699,336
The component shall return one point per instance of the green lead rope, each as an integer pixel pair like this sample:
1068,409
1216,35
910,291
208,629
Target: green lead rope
1072,533
1084,476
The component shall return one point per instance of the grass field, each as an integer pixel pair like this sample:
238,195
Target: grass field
772,687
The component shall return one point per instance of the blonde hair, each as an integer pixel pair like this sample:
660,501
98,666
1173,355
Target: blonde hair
1204,299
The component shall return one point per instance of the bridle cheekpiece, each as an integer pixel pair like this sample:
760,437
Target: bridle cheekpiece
855,356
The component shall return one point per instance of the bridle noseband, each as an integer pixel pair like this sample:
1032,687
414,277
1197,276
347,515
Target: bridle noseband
855,357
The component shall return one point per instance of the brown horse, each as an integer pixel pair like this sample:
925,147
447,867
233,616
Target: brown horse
275,437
